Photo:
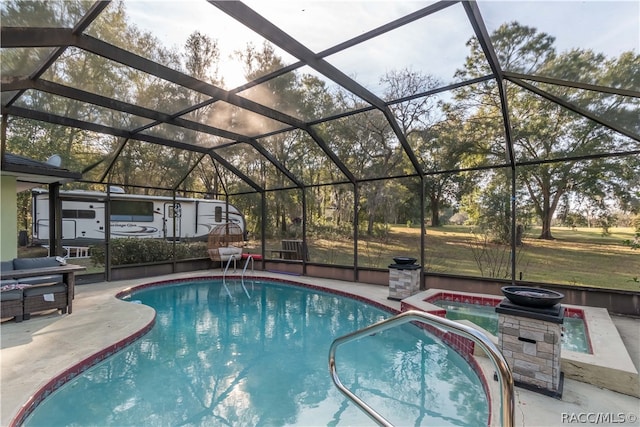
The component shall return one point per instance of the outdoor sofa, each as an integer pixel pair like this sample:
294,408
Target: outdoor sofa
22,296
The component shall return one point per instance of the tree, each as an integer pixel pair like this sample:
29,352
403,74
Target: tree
370,148
201,57
140,163
295,95
444,148
552,132
542,131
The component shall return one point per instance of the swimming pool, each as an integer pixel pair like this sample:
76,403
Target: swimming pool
261,359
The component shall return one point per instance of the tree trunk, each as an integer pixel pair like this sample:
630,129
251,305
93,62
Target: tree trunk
546,228
283,223
519,234
435,212
547,214
370,225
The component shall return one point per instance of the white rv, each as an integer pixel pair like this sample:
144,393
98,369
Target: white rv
83,216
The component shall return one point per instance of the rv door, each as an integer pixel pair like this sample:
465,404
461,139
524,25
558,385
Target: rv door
172,212
69,229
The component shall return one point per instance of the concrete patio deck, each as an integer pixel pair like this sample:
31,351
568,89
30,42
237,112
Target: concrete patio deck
34,351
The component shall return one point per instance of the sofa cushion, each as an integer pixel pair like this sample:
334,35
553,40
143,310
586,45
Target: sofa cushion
13,295
48,289
36,280
6,265
41,262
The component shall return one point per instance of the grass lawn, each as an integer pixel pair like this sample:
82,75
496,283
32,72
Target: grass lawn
576,257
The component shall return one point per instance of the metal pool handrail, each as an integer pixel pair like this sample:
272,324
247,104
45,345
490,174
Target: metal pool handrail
503,372
224,273
244,271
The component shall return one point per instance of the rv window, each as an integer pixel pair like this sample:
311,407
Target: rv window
78,213
218,212
131,210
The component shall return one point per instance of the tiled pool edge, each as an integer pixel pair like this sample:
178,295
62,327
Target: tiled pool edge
570,312
609,366
126,292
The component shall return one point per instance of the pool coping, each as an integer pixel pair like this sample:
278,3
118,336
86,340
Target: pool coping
608,366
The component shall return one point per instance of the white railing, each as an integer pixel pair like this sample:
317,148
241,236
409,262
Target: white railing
224,273
244,272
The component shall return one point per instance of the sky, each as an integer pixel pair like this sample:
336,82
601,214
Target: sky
436,43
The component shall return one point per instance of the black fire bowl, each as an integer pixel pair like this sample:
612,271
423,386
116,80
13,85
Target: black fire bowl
404,260
532,297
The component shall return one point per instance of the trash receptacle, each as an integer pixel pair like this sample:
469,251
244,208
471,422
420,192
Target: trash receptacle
23,238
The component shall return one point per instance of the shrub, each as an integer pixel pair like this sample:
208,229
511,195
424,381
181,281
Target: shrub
139,251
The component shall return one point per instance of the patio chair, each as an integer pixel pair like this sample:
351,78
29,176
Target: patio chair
225,241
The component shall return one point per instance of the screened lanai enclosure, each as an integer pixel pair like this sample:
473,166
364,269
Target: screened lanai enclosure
487,139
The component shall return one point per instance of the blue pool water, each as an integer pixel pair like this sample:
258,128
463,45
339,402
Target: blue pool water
212,359
574,334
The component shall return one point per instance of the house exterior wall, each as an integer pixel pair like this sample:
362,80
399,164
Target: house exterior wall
8,218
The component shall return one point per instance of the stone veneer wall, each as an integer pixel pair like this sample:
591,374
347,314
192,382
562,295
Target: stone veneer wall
403,282
532,350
